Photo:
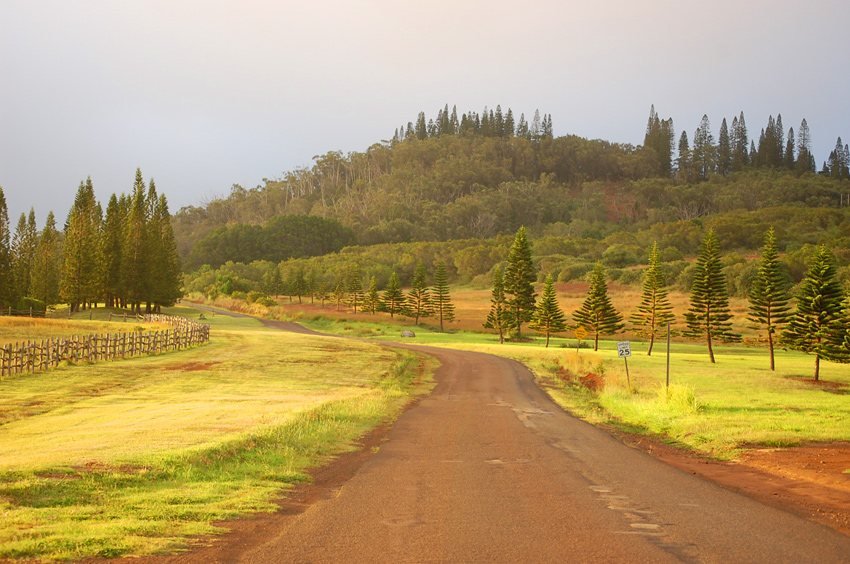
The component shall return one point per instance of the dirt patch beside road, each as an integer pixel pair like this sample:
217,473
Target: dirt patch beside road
810,480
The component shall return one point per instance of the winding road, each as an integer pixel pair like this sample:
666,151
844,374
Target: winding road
488,469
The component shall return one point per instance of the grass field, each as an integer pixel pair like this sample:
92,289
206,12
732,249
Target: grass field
715,409
134,457
20,329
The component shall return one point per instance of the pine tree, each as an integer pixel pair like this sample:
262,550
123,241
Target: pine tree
498,317
704,153
112,243
520,275
724,150
805,159
372,301
790,150
354,287
134,252
654,311
393,298
708,315
816,326
421,130
24,242
683,162
597,314
419,297
740,143
80,281
47,264
5,255
441,300
339,292
548,317
166,289
769,293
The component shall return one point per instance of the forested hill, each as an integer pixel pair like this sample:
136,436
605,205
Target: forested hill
481,175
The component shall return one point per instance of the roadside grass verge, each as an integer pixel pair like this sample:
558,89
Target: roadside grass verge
137,457
713,409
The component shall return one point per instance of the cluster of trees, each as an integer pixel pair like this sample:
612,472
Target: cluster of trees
490,123
125,257
281,238
347,289
820,325
734,151
487,182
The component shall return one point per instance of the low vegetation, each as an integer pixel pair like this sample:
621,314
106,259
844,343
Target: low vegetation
135,457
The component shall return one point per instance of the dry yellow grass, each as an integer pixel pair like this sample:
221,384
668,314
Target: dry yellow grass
18,329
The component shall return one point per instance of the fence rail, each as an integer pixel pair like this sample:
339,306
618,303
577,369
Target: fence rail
10,312
39,356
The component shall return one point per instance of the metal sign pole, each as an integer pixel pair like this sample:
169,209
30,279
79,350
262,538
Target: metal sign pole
668,356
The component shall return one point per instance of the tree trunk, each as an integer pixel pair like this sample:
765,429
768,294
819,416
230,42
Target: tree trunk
596,341
770,346
710,348
651,342
547,339
817,366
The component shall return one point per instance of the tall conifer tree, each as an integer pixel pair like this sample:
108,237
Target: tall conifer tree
354,287
393,298
441,300
5,255
654,311
372,301
769,293
816,327
47,264
724,150
597,314
708,315
419,297
548,317
520,275
498,318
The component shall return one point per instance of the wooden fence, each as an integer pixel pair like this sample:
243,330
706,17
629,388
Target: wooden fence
38,356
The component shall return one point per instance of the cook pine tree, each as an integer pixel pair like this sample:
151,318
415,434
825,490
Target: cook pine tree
354,288
5,255
441,300
393,299
769,294
498,316
419,297
48,260
597,314
708,314
548,317
372,300
519,279
654,311
817,326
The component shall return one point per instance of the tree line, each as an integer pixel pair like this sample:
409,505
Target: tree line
820,324
125,257
489,123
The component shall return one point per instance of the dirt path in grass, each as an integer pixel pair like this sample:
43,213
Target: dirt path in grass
488,468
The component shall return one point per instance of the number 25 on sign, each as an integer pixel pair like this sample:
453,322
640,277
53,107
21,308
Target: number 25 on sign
624,351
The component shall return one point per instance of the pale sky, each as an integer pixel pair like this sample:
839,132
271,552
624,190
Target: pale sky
205,94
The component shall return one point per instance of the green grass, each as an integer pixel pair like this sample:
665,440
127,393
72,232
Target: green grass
134,457
715,409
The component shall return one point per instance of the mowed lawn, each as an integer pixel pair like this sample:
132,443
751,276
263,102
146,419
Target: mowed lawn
133,457
715,409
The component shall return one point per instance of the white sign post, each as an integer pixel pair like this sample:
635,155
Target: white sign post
624,351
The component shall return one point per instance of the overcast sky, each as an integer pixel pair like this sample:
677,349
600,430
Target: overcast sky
205,94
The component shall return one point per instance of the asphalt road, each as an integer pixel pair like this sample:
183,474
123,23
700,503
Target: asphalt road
488,469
